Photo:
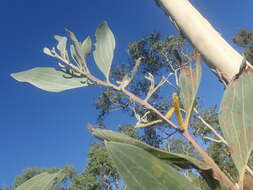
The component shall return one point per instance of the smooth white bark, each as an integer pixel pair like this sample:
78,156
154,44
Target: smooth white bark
219,55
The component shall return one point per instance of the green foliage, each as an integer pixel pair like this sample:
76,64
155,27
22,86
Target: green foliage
52,178
43,181
31,172
180,160
220,153
49,79
189,81
105,46
210,115
244,38
236,120
141,170
129,76
62,43
179,146
99,165
100,172
79,50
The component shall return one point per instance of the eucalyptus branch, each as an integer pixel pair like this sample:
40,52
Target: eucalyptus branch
218,174
118,88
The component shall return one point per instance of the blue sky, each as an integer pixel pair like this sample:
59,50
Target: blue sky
41,129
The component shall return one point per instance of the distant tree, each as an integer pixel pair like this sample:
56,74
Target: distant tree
244,38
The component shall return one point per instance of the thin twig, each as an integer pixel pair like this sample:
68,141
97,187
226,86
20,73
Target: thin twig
212,139
172,85
221,139
210,127
217,172
249,170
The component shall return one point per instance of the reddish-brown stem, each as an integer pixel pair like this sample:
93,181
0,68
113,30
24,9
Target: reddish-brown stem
217,173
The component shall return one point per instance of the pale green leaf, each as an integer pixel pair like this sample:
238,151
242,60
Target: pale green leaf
61,46
47,52
86,46
150,77
73,54
140,170
43,181
49,79
180,160
189,81
236,119
153,88
76,51
105,46
129,76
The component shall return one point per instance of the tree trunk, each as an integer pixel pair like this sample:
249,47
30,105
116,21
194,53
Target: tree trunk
219,55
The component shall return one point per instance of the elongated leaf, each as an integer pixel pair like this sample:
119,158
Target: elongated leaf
105,46
180,160
150,77
74,55
49,79
129,76
76,51
43,181
189,81
153,88
236,119
62,42
86,46
141,170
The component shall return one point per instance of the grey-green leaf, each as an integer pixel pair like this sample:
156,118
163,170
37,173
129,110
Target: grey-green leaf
140,170
236,119
86,46
77,50
105,46
43,181
181,160
48,52
189,81
129,76
61,46
74,55
49,79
